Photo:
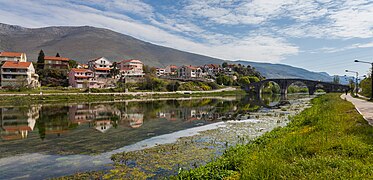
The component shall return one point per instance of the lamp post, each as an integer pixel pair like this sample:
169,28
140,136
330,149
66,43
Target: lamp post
356,81
371,76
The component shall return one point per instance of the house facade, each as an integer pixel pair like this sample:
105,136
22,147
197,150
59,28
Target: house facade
101,67
211,69
12,56
131,68
51,62
190,72
160,72
171,70
16,74
82,78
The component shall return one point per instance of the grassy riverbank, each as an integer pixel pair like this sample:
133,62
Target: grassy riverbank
330,140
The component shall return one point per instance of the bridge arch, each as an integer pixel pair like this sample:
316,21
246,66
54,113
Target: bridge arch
298,87
285,83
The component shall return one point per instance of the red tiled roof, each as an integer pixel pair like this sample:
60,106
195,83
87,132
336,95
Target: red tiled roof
102,69
17,128
80,70
173,66
15,64
52,58
191,67
10,54
212,65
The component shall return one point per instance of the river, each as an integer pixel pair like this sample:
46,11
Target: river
44,140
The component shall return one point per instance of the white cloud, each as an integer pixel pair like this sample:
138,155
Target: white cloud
46,13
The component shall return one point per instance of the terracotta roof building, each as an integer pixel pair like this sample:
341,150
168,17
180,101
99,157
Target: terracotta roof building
16,74
131,68
82,78
101,67
51,62
13,56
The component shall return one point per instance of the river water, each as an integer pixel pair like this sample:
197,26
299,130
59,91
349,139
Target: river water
51,140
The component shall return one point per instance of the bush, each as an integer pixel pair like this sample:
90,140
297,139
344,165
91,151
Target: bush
173,86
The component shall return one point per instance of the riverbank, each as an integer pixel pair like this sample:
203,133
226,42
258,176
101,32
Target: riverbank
71,97
195,147
330,140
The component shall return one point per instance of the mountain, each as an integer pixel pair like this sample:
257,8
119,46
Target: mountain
84,43
285,71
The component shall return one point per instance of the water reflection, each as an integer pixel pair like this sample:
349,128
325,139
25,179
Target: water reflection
54,121
16,122
55,132
100,127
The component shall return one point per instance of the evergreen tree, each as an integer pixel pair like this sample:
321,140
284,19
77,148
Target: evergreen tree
40,61
58,55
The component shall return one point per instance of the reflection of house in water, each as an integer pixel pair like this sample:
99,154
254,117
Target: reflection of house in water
103,125
101,116
187,114
80,114
133,120
16,122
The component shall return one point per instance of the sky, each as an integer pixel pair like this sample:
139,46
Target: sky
318,35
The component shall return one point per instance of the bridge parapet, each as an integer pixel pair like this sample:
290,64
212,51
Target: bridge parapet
285,83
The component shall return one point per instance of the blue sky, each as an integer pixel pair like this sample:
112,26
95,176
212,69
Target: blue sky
319,35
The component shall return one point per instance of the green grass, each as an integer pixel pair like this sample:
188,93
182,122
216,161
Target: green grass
330,140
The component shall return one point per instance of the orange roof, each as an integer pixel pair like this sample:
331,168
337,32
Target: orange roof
173,66
17,128
10,54
191,67
52,58
102,69
80,70
15,64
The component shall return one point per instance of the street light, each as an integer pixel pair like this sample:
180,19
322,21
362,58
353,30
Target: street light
371,76
356,81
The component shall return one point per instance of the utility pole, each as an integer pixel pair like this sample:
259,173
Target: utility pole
371,76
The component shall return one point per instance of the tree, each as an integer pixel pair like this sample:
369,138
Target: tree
173,86
114,69
224,65
73,64
40,61
58,55
336,79
224,80
366,86
243,81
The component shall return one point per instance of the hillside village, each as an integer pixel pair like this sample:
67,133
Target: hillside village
101,73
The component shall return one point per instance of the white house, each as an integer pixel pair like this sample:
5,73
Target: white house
12,56
131,68
190,72
160,71
82,78
101,67
19,74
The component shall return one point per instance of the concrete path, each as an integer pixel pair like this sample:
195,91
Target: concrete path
365,108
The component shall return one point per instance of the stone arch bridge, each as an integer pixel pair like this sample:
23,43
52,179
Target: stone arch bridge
285,83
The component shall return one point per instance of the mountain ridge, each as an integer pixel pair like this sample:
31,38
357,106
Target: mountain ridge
94,42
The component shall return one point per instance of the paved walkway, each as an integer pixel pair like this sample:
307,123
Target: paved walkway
364,107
